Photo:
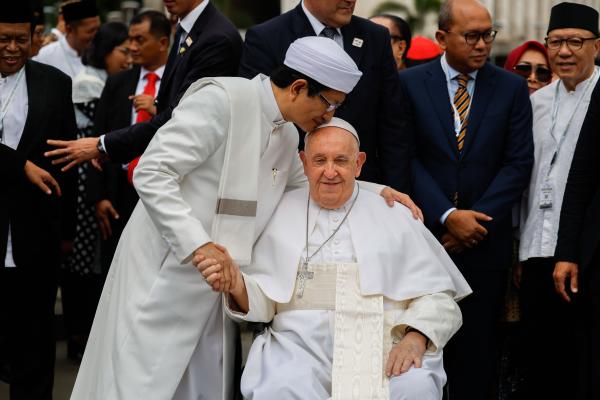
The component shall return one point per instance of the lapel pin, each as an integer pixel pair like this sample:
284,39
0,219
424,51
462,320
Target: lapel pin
189,41
182,50
357,42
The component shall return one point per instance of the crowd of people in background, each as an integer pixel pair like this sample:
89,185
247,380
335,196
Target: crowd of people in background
502,161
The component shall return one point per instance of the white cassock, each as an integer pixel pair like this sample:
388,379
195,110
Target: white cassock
155,308
159,330
330,335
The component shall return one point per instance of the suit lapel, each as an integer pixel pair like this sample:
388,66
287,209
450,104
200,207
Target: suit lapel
350,33
128,89
437,88
301,26
484,89
36,86
190,41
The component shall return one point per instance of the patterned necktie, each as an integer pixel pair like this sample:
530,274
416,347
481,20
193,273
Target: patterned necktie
462,100
143,116
328,32
149,89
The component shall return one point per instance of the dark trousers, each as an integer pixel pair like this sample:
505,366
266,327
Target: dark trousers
27,344
589,329
552,340
471,356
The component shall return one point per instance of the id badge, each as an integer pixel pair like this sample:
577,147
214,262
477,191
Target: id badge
546,196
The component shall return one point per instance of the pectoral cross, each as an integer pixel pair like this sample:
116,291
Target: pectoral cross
303,275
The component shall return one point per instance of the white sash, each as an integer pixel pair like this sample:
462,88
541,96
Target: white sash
234,222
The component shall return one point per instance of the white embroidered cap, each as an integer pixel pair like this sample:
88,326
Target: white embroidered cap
338,123
323,60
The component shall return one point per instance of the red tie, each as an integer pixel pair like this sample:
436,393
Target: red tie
142,116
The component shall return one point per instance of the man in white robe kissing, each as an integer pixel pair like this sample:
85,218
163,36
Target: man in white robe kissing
213,174
361,297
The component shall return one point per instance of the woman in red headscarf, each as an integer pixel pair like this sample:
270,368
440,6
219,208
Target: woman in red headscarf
530,60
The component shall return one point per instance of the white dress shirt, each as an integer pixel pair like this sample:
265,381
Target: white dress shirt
61,55
318,26
13,123
452,82
539,230
139,89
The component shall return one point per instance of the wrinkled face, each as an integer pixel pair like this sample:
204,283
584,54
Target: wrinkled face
37,40
332,163
333,13
468,17
537,62
82,33
398,43
146,49
118,59
573,65
15,44
181,8
306,111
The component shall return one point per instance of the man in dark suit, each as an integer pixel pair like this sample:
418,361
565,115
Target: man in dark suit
374,105
578,250
127,98
206,44
473,159
36,104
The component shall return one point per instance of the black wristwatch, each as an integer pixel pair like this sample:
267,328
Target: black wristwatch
100,146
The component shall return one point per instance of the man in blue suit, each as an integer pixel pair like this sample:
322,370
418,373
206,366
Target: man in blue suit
374,106
473,158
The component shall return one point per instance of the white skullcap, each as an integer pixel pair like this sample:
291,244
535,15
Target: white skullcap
338,123
323,60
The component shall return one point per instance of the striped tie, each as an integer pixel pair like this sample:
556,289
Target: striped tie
461,104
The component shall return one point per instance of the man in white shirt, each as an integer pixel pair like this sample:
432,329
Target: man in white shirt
361,296
558,113
82,23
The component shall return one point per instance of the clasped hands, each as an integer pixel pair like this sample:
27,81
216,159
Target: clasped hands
464,230
217,267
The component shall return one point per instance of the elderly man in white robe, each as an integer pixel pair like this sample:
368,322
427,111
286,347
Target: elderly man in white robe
361,297
213,174
559,110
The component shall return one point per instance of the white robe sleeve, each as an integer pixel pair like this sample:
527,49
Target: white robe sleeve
262,309
196,130
436,315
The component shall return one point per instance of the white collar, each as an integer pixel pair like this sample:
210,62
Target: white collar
580,86
9,78
270,107
451,73
187,23
317,25
158,71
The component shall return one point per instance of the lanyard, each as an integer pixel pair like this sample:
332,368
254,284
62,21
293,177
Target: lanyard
555,107
6,104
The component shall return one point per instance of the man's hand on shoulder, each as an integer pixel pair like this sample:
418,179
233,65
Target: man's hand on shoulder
73,152
407,352
391,196
464,225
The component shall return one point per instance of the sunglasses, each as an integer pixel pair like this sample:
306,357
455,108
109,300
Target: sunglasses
543,74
